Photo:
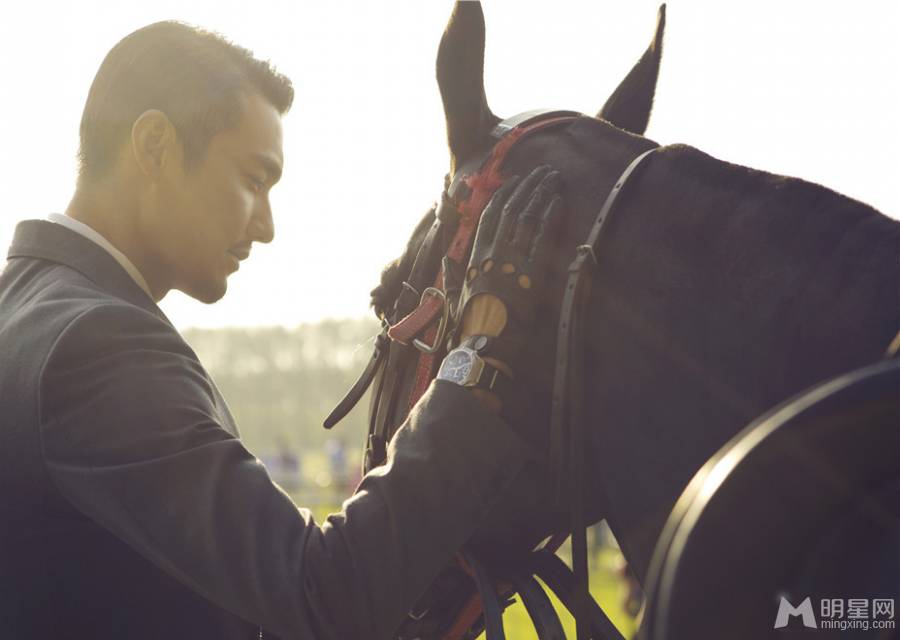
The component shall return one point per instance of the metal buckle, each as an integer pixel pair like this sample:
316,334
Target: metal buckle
444,322
418,616
408,287
588,250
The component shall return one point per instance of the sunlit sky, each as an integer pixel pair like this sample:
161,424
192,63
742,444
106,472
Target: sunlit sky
804,88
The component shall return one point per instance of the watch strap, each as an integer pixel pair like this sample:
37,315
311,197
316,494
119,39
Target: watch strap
503,349
495,381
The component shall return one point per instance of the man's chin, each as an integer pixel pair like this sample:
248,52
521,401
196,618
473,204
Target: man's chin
208,292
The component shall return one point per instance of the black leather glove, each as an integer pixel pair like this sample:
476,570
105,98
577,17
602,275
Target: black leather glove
511,251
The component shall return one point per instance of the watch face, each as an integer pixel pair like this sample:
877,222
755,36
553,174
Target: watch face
456,366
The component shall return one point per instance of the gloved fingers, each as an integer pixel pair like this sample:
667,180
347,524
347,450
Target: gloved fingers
517,202
551,218
487,226
532,215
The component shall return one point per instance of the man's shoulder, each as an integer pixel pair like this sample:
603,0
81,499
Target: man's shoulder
106,324
45,307
56,322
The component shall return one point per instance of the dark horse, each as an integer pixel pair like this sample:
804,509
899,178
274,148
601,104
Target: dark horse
720,291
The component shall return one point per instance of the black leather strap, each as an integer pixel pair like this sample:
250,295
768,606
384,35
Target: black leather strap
527,117
495,381
577,292
603,215
359,388
492,379
490,602
503,349
567,419
540,609
557,576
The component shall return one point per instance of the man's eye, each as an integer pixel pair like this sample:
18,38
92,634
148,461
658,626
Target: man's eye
255,183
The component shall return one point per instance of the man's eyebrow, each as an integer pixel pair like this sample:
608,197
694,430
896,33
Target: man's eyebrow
270,165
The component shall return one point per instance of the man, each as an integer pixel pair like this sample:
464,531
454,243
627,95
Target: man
128,506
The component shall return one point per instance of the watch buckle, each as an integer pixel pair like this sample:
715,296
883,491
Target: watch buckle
474,375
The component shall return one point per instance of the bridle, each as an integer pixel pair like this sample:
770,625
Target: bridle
421,321
420,328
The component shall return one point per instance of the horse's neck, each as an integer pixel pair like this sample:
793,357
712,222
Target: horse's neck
721,292
770,283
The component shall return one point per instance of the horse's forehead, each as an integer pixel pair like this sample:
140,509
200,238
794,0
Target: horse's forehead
589,153
574,147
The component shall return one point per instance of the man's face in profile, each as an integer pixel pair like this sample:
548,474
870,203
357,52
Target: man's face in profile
204,219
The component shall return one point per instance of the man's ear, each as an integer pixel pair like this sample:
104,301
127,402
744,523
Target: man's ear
153,141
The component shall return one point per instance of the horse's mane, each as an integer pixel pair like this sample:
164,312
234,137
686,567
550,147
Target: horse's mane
707,172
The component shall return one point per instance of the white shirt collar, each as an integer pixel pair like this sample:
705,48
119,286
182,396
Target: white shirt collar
90,234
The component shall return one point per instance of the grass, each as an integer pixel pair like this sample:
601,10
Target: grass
606,589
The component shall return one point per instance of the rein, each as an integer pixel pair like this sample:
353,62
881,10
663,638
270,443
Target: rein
425,320
566,417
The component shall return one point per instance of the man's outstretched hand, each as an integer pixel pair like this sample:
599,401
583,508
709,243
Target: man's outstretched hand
510,258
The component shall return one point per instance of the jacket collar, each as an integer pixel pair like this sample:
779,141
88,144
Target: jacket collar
56,243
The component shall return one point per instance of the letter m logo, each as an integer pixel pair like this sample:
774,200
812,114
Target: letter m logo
786,610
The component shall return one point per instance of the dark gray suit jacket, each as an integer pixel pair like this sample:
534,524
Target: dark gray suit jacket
129,507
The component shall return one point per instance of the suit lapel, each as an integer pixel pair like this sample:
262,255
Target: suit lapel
54,242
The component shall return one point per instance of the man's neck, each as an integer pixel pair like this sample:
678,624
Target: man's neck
114,218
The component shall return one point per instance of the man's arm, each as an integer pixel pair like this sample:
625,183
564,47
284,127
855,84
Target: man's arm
132,439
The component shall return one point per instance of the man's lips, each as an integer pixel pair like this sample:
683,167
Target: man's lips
241,253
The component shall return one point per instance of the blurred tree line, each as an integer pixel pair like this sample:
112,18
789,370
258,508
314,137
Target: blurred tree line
280,383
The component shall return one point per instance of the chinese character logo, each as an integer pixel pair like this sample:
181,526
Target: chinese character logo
832,608
786,610
883,607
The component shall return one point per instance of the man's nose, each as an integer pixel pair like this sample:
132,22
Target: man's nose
262,226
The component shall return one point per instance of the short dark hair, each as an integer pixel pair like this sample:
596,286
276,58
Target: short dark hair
196,77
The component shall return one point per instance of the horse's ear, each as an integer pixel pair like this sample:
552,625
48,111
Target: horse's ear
630,104
460,75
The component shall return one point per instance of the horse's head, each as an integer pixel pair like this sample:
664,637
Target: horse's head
589,151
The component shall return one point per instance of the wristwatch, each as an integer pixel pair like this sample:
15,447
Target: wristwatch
465,366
